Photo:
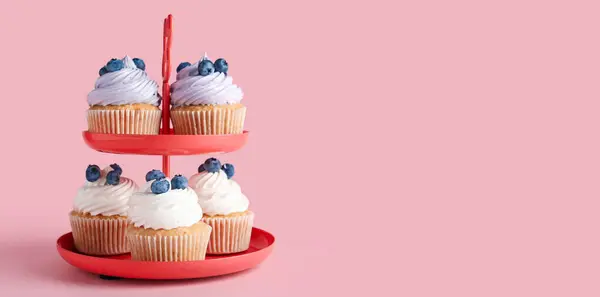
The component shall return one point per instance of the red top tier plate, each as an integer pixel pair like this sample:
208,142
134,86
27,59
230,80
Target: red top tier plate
165,144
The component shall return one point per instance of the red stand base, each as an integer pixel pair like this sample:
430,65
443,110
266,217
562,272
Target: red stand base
122,266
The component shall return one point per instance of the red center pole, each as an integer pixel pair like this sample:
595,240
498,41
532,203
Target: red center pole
166,93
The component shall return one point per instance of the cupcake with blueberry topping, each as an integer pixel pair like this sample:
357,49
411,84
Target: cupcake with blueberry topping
125,100
99,216
225,207
205,100
165,221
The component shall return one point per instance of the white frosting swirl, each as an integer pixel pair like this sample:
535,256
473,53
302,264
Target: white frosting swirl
192,89
217,194
98,198
127,86
170,210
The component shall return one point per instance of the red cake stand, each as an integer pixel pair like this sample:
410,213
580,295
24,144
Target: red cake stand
167,144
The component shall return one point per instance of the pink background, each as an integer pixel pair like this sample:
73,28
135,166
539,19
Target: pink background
421,148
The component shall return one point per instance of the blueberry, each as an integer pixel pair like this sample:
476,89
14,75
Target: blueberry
221,66
183,65
160,186
114,65
103,71
229,170
212,165
92,173
201,168
117,168
154,174
113,178
206,67
179,182
139,63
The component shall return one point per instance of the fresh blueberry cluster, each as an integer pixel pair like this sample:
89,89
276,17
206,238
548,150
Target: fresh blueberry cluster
229,170
93,173
183,65
207,67
113,177
179,182
213,165
139,63
117,64
161,185
154,174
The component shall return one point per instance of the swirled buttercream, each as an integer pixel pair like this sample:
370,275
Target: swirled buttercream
193,89
98,198
217,194
129,85
173,209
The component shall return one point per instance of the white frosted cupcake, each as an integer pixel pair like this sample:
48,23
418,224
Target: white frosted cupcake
99,216
225,207
165,221
125,100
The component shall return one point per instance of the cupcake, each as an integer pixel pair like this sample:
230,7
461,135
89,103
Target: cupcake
99,216
205,101
165,221
125,100
225,207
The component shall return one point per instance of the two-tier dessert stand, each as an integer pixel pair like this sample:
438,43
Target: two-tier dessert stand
167,144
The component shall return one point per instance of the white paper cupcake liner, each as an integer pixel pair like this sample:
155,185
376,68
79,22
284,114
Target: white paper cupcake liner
176,248
229,234
99,237
125,121
217,121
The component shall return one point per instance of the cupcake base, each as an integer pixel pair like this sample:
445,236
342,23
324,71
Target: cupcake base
209,119
230,233
124,119
99,235
175,245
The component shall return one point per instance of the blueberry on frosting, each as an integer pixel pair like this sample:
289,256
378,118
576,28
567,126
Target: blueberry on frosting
212,165
221,66
92,173
117,168
154,174
114,65
160,186
179,182
113,178
206,67
139,63
183,65
228,169
201,168
103,71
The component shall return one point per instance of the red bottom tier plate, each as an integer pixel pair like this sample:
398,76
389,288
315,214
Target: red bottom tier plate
261,245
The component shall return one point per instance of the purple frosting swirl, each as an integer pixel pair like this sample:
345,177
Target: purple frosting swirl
193,89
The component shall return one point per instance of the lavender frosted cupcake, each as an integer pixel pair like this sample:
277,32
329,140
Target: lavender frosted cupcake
205,101
125,100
